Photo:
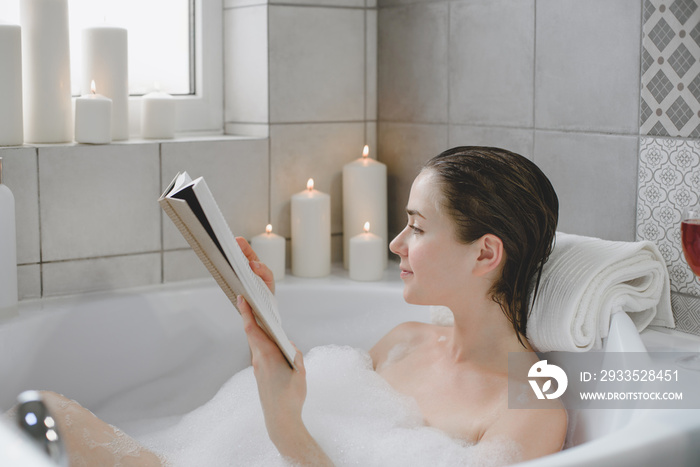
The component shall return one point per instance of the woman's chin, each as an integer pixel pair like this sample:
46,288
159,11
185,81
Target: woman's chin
412,298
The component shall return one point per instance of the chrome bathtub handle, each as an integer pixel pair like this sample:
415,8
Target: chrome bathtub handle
34,419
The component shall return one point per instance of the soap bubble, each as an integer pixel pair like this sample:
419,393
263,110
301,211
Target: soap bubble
352,412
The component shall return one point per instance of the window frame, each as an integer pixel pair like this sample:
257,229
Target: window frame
203,111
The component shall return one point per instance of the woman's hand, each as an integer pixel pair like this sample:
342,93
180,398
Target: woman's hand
282,390
282,393
256,265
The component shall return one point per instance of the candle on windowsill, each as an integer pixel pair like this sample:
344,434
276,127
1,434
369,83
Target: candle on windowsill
311,232
106,60
158,115
366,256
364,199
270,249
11,125
46,87
93,118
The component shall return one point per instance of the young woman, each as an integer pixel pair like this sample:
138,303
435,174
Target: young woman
481,224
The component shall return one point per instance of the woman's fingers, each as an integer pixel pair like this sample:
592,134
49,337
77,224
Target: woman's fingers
258,340
299,362
265,274
256,265
247,249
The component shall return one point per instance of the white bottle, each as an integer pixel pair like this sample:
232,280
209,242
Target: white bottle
8,246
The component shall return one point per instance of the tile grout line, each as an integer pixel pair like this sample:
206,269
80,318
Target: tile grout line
449,55
160,214
269,115
534,78
364,83
639,116
116,255
41,243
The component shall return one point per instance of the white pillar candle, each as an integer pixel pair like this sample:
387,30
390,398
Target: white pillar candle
158,115
311,233
366,252
11,127
364,199
93,118
270,248
106,60
46,89
8,246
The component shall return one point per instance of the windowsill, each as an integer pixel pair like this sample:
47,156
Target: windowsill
183,138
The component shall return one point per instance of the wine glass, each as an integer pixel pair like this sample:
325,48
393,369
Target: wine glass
690,240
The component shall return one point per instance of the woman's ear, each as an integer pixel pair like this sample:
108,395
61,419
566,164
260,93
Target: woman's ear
490,254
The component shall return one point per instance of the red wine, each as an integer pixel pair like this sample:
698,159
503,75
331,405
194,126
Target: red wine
690,238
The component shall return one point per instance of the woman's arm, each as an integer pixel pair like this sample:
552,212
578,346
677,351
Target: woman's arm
282,393
282,390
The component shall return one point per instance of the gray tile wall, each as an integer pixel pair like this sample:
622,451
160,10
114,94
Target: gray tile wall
88,217
671,69
557,80
574,85
540,77
669,158
300,81
304,73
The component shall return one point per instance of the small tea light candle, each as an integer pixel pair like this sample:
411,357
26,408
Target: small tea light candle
93,118
366,256
270,248
311,233
158,116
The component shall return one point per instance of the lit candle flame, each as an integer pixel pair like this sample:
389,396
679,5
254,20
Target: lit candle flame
366,227
365,151
310,184
93,89
268,229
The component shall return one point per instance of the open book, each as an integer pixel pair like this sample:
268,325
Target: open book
193,210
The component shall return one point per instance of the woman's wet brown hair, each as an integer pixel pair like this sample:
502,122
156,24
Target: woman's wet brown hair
493,191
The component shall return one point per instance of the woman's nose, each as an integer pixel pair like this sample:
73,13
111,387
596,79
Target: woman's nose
397,245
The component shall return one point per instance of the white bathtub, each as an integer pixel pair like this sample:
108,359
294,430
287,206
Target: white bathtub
164,350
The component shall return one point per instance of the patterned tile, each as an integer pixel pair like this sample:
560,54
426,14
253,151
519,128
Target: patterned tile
681,60
670,97
686,313
683,9
661,34
669,180
649,10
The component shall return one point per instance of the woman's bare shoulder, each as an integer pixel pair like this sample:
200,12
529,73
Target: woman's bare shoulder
410,333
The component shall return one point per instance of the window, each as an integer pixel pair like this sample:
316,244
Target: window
159,41
175,45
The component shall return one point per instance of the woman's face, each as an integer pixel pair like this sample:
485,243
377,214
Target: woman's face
434,265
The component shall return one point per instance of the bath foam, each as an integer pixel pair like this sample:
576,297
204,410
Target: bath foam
354,414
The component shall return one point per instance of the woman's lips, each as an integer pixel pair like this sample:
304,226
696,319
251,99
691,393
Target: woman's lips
405,273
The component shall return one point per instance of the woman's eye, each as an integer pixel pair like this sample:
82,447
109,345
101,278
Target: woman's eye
415,229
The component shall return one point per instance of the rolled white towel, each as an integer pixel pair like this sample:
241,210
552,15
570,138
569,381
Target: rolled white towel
583,283
586,280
